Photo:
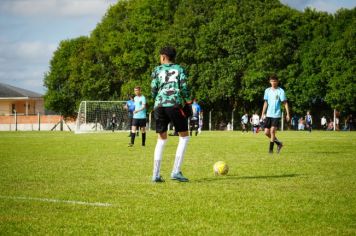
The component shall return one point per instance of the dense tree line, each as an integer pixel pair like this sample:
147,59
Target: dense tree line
229,47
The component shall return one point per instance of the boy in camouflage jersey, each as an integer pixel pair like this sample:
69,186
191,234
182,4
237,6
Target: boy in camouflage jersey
170,91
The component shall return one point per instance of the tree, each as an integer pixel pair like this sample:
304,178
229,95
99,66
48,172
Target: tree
228,47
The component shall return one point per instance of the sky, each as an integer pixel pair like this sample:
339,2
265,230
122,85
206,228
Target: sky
31,30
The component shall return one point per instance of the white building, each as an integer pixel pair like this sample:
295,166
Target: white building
22,101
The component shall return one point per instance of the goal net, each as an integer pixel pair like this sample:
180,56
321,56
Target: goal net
96,116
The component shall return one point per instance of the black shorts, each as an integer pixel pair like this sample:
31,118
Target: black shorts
194,123
139,122
165,115
271,122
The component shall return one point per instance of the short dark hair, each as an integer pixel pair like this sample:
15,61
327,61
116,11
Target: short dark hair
273,77
169,51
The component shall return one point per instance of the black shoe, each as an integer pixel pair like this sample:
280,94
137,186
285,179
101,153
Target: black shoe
130,145
279,147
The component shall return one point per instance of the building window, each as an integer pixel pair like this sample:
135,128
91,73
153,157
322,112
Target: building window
13,108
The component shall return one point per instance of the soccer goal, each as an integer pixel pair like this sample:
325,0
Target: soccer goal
96,116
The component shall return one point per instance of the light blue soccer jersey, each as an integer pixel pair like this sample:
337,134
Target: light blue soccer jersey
196,111
274,98
140,101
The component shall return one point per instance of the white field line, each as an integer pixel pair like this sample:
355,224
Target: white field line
100,204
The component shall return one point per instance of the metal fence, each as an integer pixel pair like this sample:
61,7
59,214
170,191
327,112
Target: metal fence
35,123
212,120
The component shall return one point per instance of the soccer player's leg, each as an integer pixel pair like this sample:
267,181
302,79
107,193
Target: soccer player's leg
310,127
161,129
191,126
275,125
268,126
196,127
143,131
133,132
181,125
130,124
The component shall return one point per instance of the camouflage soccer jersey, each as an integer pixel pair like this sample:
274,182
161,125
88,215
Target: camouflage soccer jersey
169,86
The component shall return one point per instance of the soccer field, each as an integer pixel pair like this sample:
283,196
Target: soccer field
59,183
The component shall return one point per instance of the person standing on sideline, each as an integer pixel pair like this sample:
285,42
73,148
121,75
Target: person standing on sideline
244,123
130,107
255,122
324,123
113,122
139,116
200,123
170,91
350,123
294,122
195,118
273,97
309,121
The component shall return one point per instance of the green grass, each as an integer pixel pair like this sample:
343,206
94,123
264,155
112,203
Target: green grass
309,189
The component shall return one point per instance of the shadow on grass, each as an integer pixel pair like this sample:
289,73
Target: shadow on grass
315,152
229,177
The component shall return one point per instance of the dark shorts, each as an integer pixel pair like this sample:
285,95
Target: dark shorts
194,123
165,115
139,122
271,122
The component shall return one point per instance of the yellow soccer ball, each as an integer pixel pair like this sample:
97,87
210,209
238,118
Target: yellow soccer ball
221,168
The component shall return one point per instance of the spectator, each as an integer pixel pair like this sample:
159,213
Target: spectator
301,124
309,121
113,122
330,125
244,123
294,122
323,123
255,122
350,123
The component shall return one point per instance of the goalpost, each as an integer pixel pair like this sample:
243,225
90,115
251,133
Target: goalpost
95,116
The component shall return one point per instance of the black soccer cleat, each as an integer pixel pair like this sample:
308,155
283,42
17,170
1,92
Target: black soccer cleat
279,147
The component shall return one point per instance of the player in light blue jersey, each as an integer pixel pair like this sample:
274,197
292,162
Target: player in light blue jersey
195,118
139,116
130,107
273,98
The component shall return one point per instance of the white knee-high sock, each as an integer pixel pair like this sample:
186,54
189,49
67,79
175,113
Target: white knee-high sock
182,146
158,156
